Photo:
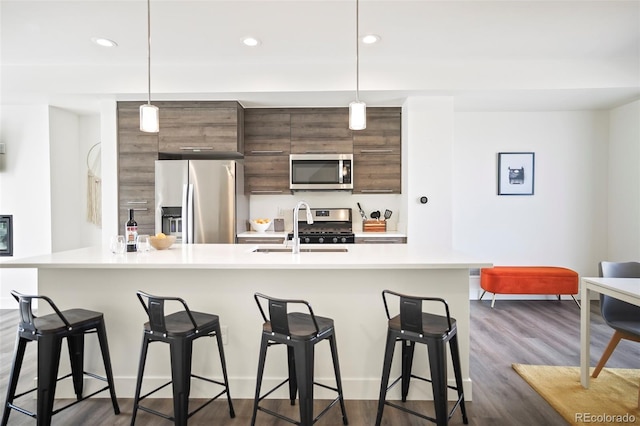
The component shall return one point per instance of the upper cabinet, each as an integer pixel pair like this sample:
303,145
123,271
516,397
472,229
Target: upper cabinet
266,151
321,131
137,153
271,134
376,153
201,127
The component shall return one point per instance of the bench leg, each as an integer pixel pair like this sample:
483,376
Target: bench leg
574,299
577,303
493,299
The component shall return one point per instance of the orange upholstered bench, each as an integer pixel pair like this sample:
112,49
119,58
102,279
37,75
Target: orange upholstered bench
528,280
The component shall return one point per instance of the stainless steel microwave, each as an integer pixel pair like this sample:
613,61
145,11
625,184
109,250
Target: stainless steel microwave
321,171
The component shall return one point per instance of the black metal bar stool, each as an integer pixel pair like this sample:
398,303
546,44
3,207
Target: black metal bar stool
179,330
413,326
48,331
299,332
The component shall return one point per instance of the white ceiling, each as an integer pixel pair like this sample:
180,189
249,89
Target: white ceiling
489,55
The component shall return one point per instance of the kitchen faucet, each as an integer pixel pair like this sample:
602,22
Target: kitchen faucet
295,249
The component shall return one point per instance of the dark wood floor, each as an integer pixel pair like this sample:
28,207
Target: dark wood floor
529,332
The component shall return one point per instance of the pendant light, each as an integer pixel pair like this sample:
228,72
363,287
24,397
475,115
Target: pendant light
149,114
357,109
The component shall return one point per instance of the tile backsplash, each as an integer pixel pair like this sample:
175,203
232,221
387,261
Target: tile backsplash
281,206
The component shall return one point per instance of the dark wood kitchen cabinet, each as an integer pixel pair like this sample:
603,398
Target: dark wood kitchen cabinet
201,127
266,151
377,161
271,134
321,131
137,153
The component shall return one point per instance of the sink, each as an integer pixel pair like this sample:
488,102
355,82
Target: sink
302,250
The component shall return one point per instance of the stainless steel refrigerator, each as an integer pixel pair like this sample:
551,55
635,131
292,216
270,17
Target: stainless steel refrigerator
201,201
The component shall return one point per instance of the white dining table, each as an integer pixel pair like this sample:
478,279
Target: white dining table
626,289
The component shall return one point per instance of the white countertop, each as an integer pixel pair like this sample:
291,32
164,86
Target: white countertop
241,256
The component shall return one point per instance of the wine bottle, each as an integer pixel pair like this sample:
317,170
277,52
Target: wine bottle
131,232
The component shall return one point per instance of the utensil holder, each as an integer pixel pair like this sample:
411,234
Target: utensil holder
374,226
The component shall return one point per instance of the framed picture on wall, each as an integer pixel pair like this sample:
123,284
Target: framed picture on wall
516,172
6,235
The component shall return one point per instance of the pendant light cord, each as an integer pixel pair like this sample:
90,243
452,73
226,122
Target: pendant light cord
357,53
149,52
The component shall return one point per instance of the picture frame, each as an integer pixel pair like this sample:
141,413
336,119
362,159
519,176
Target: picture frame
6,235
516,173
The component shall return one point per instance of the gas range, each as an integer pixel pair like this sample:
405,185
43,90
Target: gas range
330,226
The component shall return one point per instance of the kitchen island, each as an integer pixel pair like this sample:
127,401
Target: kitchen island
222,278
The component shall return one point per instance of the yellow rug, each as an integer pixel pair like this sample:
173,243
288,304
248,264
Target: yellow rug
612,398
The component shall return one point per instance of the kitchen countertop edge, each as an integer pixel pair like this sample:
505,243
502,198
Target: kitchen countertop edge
241,256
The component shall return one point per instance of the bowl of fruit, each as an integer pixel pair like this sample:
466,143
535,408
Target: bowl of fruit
260,225
161,241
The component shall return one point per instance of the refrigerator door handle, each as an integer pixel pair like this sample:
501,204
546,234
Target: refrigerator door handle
190,218
187,213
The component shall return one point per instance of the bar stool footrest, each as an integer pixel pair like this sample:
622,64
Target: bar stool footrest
34,415
290,420
413,376
168,417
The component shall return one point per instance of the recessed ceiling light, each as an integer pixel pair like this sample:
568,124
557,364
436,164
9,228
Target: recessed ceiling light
370,39
250,41
104,42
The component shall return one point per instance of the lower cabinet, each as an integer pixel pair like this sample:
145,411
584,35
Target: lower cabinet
381,240
260,240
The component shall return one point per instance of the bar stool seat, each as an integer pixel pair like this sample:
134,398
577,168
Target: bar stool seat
413,326
300,332
49,331
179,330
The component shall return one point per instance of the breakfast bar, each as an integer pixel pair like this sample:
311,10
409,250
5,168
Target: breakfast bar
343,282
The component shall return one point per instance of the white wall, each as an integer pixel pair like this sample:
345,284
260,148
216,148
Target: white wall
25,191
66,182
90,234
565,222
109,149
624,183
428,164
43,185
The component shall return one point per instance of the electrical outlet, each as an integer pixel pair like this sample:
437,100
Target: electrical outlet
224,331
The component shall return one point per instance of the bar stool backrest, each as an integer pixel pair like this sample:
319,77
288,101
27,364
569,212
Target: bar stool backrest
27,317
154,307
278,312
411,310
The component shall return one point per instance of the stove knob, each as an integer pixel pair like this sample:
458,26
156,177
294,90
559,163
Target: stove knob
321,240
307,240
343,239
335,239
